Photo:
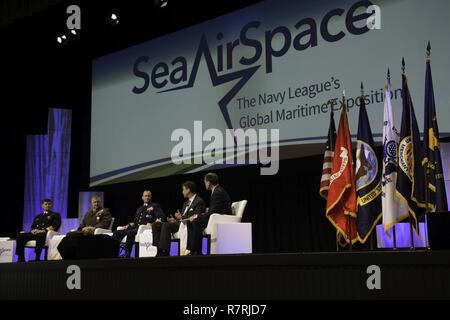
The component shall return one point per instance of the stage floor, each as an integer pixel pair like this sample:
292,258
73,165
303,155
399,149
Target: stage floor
344,275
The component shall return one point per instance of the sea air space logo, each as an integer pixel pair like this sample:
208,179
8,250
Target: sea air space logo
164,77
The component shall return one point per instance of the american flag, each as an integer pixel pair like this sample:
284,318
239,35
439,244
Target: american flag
328,158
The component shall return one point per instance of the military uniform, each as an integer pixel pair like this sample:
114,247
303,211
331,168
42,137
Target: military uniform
147,213
99,219
46,221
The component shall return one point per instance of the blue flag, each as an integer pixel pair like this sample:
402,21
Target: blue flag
410,176
368,178
437,200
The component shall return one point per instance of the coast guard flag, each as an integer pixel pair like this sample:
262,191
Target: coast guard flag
368,178
328,158
341,202
410,175
432,154
393,209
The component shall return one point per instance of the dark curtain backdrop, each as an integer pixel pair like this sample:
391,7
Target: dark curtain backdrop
286,210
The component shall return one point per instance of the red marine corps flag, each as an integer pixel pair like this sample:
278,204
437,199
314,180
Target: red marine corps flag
341,202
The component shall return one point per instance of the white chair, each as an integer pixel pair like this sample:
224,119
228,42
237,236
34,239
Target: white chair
145,245
49,236
105,231
53,243
101,230
215,218
141,229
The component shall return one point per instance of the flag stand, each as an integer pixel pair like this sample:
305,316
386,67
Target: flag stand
427,201
337,242
395,238
371,241
330,137
350,231
411,235
426,166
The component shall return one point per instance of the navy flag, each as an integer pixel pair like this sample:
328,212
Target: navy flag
437,199
410,176
368,178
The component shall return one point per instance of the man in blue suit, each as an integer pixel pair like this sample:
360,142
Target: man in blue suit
219,202
193,206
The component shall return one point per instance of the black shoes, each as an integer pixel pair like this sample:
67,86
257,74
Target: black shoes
162,253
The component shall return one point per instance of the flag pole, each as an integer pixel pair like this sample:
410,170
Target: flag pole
427,201
394,235
427,171
371,235
411,236
330,137
349,222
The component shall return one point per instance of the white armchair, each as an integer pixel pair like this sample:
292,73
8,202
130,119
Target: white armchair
140,230
105,231
215,218
48,238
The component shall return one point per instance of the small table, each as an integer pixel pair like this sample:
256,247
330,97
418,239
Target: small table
146,247
6,250
233,238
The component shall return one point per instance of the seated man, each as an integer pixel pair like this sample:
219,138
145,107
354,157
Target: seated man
219,202
149,212
96,217
42,223
192,206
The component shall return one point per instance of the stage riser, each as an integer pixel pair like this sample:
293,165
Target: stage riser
404,275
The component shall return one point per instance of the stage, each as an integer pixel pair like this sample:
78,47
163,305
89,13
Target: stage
403,275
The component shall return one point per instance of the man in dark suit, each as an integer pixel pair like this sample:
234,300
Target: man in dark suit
193,206
219,202
149,212
42,223
96,217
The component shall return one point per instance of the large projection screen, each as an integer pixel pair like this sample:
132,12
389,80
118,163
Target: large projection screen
274,65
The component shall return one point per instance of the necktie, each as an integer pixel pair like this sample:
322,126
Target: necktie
187,207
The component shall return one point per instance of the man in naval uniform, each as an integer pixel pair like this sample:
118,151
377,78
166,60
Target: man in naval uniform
149,212
42,223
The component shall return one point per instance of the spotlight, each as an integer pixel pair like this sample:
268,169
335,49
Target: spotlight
160,3
114,19
73,32
62,39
